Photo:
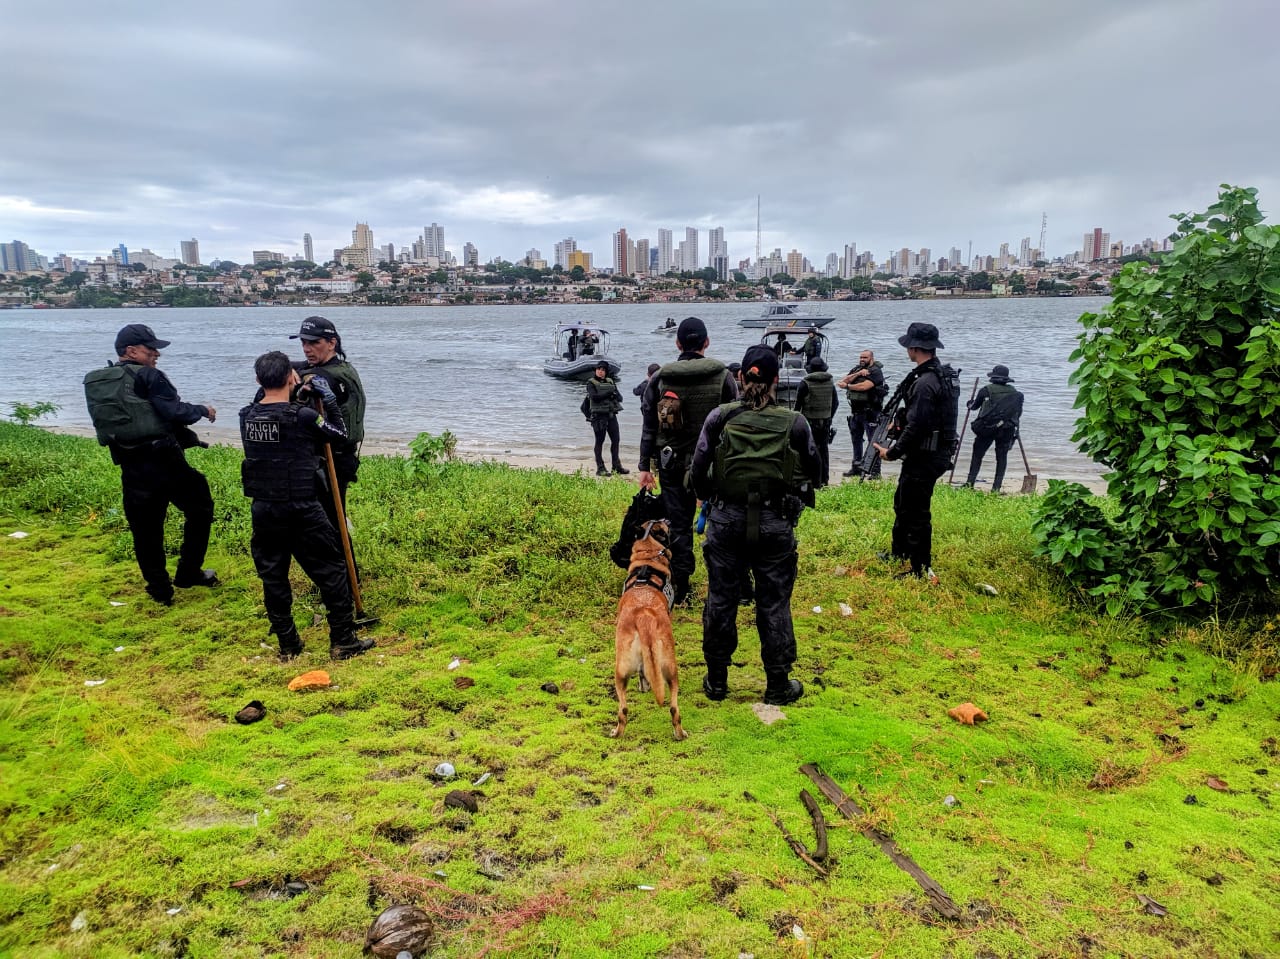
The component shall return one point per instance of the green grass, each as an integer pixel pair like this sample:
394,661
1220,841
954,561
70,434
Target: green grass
128,799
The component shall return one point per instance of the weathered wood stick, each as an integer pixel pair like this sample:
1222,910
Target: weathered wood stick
819,825
940,901
796,845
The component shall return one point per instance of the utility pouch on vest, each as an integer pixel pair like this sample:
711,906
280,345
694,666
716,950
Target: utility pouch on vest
669,416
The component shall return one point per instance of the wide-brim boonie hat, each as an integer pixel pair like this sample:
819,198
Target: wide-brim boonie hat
921,336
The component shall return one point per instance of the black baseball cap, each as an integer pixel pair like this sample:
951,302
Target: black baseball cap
316,328
137,334
759,364
692,333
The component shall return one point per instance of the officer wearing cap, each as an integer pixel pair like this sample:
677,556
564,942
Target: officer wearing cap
812,348
147,444
600,407
325,357
675,403
755,464
924,441
999,408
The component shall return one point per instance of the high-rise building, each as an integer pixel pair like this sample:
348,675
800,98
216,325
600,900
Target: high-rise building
121,255
690,261
795,264
579,258
716,247
640,262
622,253
665,261
953,257
849,262
832,267
653,261
563,249
433,241
1024,251
270,256
190,252
308,249
470,256
17,257
1097,245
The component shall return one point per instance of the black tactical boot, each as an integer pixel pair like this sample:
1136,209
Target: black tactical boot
620,470
601,471
290,643
345,643
201,577
162,593
781,691
716,683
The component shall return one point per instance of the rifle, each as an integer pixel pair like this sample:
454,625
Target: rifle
888,417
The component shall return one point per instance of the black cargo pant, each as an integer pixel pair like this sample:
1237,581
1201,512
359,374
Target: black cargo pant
151,479
299,529
1003,440
862,424
912,510
602,425
680,505
772,558
821,430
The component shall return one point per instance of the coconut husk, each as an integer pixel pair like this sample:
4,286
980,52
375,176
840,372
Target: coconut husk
251,713
462,799
399,929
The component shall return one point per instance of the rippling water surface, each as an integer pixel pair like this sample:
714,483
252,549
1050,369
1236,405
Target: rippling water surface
477,371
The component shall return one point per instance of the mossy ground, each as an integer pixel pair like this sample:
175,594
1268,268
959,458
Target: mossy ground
127,800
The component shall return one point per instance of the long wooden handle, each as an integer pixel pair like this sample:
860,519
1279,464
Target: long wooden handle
342,529
1022,449
960,440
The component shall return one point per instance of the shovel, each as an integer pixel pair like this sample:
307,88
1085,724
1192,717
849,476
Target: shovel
362,619
1030,479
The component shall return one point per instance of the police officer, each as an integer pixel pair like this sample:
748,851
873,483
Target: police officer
865,388
811,348
325,357
755,463
817,401
924,444
676,401
600,406
282,473
154,471
999,408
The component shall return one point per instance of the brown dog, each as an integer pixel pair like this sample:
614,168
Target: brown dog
644,643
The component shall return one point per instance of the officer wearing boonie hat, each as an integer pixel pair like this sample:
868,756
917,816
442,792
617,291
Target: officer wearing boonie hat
755,464
326,357
676,401
140,418
924,445
999,408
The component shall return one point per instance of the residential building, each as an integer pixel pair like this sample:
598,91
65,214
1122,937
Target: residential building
833,265
665,261
470,256
563,249
308,250
17,257
849,261
795,264
640,262
622,253
716,247
690,261
579,258
433,242
190,252
270,256
121,255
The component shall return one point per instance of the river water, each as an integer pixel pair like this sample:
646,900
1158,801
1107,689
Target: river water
477,371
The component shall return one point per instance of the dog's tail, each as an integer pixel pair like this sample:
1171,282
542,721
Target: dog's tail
652,668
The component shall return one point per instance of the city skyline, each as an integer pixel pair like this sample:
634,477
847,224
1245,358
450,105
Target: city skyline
857,125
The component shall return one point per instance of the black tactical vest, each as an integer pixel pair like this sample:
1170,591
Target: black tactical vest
819,403
352,406
699,385
280,459
604,396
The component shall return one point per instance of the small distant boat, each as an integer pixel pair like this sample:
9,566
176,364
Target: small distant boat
791,370
786,314
578,349
668,328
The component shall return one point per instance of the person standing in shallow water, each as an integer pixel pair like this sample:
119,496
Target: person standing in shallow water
322,347
601,406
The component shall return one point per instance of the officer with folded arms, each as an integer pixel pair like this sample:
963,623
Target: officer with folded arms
283,436
140,418
756,465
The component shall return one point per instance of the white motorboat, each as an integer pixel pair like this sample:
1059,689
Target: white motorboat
578,349
786,314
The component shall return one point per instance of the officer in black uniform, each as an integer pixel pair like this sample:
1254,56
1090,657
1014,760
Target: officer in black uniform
154,471
811,348
924,443
999,408
866,389
325,357
817,401
283,475
675,403
755,464
600,406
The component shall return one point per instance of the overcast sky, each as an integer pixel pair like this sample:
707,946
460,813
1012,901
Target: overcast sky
514,124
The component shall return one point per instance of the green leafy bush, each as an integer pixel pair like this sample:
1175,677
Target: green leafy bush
1179,380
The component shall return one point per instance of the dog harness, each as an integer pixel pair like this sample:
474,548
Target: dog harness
646,575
